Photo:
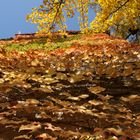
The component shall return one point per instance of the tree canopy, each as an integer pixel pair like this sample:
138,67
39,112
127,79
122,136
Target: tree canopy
122,17
52,13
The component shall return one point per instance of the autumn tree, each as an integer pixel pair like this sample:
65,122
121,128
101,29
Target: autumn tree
120,17
51,14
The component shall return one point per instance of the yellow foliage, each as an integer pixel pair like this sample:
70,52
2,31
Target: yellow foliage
117,15
51,14
120,15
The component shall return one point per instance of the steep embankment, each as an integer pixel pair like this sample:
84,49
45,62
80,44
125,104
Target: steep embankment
90,90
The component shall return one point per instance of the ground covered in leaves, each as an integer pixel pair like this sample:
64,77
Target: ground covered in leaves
89,91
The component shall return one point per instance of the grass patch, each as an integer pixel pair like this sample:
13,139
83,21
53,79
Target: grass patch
42,44
23,47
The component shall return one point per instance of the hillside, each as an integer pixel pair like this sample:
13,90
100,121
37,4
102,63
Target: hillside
84,87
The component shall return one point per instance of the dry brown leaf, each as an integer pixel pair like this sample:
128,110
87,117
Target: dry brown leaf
95,102
74,98
61,76
137,74
30,127
116,132
46,89
35,62
96,90
125,99
32,102
45,136
83,96
24,137
75,78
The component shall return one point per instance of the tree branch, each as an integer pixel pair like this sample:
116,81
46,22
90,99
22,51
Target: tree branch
117,9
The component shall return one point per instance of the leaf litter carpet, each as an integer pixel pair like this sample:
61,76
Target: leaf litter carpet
85,92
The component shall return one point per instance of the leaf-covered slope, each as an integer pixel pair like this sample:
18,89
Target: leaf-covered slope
90,90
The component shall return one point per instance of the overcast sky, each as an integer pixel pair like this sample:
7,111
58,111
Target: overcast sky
13,13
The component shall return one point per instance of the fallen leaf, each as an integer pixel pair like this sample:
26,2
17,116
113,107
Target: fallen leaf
96,90
74,98
23,137
45,136
30,127
116,132
95,103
